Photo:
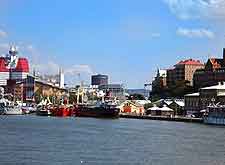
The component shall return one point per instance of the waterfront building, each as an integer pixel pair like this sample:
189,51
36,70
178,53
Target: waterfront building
99,79
176,104
45,89
211,74
183,71
14,70
113,90
163,111
54,79
196,102
32,89
13,67
24,90
132,107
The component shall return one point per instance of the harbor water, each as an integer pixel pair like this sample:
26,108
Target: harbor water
39,140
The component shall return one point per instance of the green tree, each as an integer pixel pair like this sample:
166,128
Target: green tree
136,96
149,105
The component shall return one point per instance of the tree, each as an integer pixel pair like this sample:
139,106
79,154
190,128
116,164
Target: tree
136,96
147,106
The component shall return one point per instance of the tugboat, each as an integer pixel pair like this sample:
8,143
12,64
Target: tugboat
63,110
105,108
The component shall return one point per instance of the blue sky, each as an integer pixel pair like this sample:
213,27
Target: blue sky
126,39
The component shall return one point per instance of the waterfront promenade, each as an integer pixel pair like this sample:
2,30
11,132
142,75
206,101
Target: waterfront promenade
176,119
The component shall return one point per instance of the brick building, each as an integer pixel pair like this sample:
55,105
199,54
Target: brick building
183,71
13,68
31,89
211,74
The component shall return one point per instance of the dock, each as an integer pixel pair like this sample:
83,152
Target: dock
163,118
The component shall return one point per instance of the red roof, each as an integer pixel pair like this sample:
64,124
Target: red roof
189,62
216,63
2,65
22,65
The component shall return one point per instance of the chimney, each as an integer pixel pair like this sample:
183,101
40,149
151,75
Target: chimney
224,55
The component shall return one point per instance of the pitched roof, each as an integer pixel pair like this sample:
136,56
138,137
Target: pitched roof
193,94
216,62
189,62
21,66
165,108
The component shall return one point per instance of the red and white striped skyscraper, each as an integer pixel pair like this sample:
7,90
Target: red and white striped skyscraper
13,67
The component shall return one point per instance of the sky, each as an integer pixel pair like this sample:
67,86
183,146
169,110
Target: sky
126,39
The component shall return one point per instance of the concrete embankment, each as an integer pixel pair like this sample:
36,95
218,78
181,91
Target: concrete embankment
176,119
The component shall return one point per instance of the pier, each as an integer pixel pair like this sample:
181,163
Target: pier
163,118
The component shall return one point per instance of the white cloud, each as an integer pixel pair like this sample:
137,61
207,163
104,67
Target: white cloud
2,33
46,64
186,9
78,69
195,33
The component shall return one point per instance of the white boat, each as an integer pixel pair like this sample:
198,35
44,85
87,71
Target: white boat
13,110
8,108
28,109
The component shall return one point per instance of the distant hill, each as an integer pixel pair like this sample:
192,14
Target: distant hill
139,91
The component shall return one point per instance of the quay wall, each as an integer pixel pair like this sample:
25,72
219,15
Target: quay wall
176,119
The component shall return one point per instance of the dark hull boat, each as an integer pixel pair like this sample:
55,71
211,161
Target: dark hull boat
43,111
102,111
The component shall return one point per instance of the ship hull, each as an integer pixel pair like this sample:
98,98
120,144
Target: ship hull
214,121
62,112
97,112
13,111
44,113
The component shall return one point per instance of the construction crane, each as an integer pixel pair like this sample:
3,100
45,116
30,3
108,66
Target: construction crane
145,88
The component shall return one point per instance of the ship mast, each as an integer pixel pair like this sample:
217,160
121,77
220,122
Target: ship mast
80,90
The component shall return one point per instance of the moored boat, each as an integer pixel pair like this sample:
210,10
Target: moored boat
43,111
103,110
9,108
62,111
13,110
215,114
28,109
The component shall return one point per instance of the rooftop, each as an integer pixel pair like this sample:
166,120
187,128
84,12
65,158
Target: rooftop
217,63
189,62
193,94
219,86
